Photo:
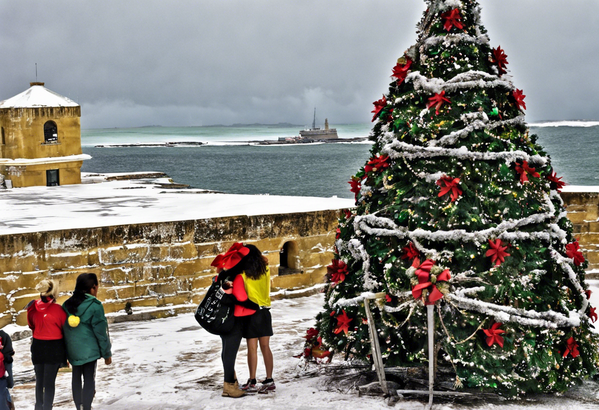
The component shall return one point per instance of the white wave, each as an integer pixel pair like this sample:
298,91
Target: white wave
577,123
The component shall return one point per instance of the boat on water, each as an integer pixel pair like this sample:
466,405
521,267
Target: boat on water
315,133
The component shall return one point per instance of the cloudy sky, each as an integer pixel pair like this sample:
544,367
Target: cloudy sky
204,62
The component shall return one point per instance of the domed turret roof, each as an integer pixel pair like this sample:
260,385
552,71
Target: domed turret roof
37,96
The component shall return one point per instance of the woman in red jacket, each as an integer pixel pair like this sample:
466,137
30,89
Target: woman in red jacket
230,277
45,318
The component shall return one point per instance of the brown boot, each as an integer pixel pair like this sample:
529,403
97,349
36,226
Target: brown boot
230,390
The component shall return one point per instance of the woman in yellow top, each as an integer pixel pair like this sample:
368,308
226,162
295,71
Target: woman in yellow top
257,328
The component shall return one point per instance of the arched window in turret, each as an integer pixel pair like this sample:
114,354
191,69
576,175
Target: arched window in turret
3,137
50,132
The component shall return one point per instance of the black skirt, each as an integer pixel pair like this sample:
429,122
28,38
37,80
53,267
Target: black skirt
48,351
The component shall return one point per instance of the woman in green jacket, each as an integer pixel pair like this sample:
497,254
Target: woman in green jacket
86,337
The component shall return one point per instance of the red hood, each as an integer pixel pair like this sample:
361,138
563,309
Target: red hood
40,305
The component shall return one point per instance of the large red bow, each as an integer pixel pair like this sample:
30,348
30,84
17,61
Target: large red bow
426,281
571,348
232,257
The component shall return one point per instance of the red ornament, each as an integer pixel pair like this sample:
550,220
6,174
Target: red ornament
493,335
378,107
231,258
388,299
593,314
573,252
342,323
437,101
449,184
400,71
500,59
571,348
337,271
452,19
588,292
428,281
311,333
497,251
519,97
524,170
556,183
377,163
410,252
356,185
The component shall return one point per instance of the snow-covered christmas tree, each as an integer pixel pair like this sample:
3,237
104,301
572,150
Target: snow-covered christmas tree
458,206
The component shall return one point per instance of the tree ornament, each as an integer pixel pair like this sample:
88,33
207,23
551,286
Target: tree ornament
437,101
452,19
401,69
499,58
378,107
519,97
524,170
571,348
337,271
449,185
377,163
356,185
556,183
497,251
494,335
428,276
343,322
573,252
410,252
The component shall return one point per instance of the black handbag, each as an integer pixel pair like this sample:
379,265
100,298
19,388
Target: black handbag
214,316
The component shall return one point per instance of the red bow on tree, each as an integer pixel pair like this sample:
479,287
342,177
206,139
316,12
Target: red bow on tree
377,163
573,251
232,257
452,19
337,271
378,107
493,335
449,184
400,71
497,251
572,348
519,97
500,58
524,170
556,183
410,252
437,101
428,281
342,323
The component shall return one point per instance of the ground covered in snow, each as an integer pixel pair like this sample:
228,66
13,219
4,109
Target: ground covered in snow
98,202
174,364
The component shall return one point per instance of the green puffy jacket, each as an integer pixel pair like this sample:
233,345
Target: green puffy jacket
89,340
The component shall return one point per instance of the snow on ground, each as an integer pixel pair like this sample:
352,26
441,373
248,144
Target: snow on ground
109,203
173,364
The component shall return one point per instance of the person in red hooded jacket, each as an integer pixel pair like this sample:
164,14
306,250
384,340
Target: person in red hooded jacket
45,317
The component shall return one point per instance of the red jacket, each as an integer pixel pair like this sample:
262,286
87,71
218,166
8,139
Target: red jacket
241,295
46,319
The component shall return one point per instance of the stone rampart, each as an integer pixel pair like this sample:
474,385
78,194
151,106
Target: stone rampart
160,264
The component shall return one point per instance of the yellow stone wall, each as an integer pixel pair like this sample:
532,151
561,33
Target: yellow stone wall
24,138
583,211
161,264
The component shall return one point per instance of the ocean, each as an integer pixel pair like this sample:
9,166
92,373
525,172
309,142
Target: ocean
228,164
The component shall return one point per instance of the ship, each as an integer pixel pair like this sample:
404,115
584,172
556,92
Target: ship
315,133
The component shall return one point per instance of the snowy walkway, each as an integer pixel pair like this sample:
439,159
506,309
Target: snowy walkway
173,364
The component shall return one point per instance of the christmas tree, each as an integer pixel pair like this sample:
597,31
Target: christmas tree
458,206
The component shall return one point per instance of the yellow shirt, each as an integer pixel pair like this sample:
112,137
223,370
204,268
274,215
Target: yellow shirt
258,290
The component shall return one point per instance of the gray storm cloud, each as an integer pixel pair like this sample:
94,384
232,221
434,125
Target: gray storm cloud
203,62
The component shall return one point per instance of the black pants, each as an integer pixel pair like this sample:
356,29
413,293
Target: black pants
231,342
45,378
83,394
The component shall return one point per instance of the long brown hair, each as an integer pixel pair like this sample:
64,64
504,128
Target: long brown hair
254,263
